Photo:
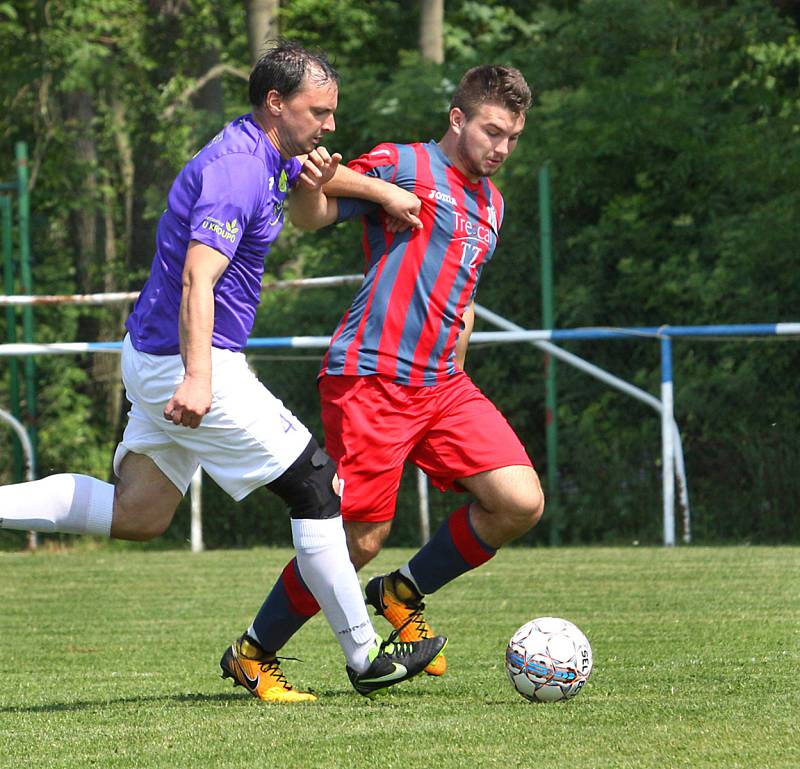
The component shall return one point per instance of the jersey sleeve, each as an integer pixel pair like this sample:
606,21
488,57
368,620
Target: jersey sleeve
293,171
350,208
381,162
230,195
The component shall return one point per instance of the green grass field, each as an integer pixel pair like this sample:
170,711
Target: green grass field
109,659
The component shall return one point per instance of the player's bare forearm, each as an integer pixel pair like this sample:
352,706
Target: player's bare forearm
463,338
192,399
311,209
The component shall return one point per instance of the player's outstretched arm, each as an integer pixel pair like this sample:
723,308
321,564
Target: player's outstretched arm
398,203
309,207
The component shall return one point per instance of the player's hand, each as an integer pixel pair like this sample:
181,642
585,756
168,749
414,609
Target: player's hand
393,224
318,168
402,209
190,403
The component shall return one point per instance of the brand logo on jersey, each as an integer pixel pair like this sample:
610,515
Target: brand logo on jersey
471,229
492,218
228,231
277,212
443,196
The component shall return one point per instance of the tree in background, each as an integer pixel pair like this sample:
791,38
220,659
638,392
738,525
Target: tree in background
673,133
262,24
431,31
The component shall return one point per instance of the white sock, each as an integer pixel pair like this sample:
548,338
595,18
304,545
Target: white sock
66,503
325,567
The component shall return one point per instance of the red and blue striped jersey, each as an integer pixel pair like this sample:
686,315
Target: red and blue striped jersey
404,321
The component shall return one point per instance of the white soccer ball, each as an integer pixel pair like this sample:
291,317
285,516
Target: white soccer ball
548,659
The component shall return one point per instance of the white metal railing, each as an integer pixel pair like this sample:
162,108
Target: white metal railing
30,460
672,450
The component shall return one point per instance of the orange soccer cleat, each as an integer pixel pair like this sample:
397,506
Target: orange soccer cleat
260,673
394,597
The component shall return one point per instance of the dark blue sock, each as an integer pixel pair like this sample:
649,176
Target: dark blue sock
453,550
288,607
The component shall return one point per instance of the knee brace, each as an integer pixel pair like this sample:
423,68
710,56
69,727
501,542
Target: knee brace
307,486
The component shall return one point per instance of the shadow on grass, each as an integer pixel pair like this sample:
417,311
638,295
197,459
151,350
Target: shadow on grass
62,707
328,697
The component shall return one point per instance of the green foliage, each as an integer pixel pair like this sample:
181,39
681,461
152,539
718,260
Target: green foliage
673,135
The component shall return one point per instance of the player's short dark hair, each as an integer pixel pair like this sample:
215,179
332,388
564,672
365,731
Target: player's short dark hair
284,66
492,84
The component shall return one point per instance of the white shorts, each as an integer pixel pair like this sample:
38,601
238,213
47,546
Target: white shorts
247,439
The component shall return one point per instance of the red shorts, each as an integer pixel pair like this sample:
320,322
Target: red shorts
372,426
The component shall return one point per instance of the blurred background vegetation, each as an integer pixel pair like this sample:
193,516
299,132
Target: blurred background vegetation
672,130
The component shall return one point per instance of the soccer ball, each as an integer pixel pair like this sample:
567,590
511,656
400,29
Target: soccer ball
548,659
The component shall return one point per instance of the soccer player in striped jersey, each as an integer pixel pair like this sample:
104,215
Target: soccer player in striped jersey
392,383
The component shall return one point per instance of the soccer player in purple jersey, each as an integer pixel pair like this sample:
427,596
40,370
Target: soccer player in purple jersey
392,383
194,401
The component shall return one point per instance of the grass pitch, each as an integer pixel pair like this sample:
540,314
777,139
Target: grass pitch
108,658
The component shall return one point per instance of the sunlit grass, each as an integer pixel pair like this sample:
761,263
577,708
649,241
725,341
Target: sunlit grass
109,658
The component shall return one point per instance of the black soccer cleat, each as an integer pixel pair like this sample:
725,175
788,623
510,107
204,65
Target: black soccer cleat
395,661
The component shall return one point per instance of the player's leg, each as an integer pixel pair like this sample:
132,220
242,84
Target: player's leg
153,473
471,446
139,507
273,448
374,431
145,500
290,603
154,462
66,503
364,538
510,503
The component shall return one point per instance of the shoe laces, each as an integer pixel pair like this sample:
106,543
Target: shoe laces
273,669
418,620
392,646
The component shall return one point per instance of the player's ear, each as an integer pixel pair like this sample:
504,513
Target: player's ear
273,103
457,120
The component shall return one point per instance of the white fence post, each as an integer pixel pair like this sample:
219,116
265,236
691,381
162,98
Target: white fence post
424,510
667,441
196,498
27,450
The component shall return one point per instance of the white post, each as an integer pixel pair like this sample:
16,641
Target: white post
667,442
683,490
424,512
196,497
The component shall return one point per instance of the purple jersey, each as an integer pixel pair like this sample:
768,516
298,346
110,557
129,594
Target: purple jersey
406,317
230,196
